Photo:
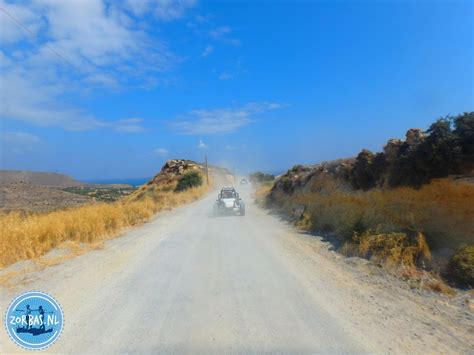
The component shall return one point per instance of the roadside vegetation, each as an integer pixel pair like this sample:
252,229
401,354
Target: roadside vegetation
189,180
446,148
409,209
29,236
105,194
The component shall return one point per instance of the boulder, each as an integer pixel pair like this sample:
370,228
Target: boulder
298,211
392,149
174,168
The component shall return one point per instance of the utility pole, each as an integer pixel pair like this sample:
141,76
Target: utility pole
207,173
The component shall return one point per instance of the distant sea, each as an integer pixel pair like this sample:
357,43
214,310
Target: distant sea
130,181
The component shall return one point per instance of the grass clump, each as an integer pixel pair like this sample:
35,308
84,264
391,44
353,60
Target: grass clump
461,266
189,180
392,249
261,193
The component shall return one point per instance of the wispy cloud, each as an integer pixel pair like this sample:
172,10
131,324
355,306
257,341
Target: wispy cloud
39,104
207,51
222,34
78,47
162,9
129,125
162,152
18,142
219,121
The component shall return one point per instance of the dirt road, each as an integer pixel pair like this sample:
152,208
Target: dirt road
190,282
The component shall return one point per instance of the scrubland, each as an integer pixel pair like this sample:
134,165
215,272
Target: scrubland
409,207
441,210
28,236
397,228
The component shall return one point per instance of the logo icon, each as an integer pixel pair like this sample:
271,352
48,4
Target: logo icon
34,320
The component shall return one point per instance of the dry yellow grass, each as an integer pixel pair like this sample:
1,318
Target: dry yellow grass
31,236
396,228
392,249
442,210
262,191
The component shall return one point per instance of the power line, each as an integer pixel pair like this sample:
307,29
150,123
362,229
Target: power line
24,28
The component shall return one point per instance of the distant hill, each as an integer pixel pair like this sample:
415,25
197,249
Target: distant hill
38,178
20,196
34,191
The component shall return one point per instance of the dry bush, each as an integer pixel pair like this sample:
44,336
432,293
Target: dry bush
461,266
395,226
392,249
442,210
33,235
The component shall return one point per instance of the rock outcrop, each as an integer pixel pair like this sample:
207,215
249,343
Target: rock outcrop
342,172
306,177
175,168
392,149
414,136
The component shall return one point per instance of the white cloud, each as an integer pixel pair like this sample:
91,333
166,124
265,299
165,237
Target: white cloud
77,47
162,152
222,34
9,30
207,51
161,9
18,142
39,104
218,121
202,145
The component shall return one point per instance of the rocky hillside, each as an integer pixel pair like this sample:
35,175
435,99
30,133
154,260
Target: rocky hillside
173,170
346,173
410,204
446,149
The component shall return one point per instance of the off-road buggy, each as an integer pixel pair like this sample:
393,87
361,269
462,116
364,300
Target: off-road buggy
229,202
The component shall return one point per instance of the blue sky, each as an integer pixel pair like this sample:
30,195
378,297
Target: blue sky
102,89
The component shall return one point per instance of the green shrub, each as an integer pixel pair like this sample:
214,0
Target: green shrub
461,266
367,170
464,131
297,168
286,184
189,180
442,153
446,149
